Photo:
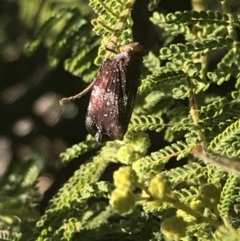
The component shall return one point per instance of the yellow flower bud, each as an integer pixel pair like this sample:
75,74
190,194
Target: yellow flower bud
127,154
122,200
173,228
125,177
159,187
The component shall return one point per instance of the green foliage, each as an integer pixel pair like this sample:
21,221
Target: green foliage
143,123
17,195
60,214
5,235
208,132
229,135
202,17
79,149
70,39
227,191
113,23
153,81
195,172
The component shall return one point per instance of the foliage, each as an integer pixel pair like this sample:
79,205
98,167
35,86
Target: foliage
17,197
150,201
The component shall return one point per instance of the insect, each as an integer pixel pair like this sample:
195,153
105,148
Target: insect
113,93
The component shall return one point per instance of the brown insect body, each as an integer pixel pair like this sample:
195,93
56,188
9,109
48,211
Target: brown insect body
114,90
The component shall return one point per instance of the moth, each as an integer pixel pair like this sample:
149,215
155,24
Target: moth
113,93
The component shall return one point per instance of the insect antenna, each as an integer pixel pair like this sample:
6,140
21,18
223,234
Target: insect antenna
77,96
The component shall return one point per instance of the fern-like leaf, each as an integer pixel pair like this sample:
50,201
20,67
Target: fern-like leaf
143,123
187,50
158,81
144,167
226,195
79,149
196,173
202,18
221,143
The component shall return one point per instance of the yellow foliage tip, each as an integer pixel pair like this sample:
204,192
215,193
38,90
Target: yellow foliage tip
130,3
125,13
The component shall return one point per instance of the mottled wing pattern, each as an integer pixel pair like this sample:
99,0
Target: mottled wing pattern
108,101
116,99
112,97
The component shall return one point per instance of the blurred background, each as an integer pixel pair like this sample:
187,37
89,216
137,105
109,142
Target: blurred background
32,121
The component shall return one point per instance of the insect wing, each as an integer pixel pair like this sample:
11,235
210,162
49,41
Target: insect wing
108,103
115,87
